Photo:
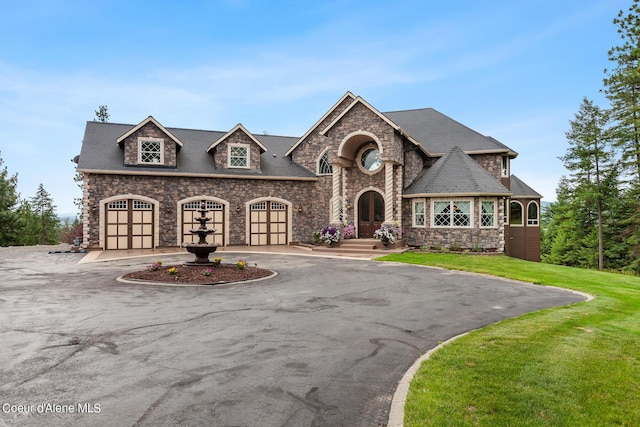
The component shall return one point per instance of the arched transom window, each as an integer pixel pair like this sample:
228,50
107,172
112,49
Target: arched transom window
324,167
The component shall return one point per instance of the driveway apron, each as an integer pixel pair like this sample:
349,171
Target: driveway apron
324,343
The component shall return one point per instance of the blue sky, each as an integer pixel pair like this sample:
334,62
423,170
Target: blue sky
514,70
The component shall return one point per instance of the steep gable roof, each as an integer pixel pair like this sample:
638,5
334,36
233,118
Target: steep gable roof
319,122
456,174
149,119
437,133
231,132
520,189
356,101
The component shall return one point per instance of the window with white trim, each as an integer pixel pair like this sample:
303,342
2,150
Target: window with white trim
419,213
532,214
515,213
151,151
324,167
238,156
505,166
452,213
487,213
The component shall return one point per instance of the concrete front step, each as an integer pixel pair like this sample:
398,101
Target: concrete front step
356,251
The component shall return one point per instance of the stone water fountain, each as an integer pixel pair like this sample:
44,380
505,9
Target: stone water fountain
202,249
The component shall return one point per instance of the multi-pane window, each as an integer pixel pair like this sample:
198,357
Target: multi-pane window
452,213
211,206
238,156
151,151
118,204
532,214
505,166
488,213
324,167
139,204
418,213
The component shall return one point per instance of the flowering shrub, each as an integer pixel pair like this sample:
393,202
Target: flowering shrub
207,272
155,266
241,265
329,234
172,271
349,231
385,233
217,260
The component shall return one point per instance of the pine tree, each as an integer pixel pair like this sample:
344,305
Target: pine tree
622,88
45,211
590,160
8,200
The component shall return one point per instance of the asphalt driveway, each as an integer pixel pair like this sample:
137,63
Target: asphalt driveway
324,343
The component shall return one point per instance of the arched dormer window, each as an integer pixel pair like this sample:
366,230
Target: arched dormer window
324,167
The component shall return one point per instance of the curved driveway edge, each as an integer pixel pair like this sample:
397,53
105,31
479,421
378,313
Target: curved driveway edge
325,342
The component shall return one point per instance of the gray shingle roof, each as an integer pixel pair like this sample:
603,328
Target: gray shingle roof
100,152
437,133
520,189
456,173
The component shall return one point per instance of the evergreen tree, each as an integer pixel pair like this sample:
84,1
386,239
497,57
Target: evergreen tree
590,160
29,225
49,223
8,200
622,87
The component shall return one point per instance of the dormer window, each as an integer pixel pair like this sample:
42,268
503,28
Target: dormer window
151,151
239,156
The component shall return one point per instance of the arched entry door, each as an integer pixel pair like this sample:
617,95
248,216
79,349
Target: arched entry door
370,213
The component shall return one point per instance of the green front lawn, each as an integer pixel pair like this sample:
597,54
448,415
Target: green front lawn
569,366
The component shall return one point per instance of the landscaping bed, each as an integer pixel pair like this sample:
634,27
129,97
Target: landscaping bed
223,273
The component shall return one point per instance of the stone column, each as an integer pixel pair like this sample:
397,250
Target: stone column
388,193
336,196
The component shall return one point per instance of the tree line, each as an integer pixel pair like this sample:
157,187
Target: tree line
595,222
31,221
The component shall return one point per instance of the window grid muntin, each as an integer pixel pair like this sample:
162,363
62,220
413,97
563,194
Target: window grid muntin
140,205
259,206
195,205
487,213
533,219
238,156
324,167
452,213
118,205
150,151
419,213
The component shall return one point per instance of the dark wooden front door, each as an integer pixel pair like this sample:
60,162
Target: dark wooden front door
370,213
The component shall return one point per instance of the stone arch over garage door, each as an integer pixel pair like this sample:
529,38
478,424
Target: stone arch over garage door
218,212
128,222
269,221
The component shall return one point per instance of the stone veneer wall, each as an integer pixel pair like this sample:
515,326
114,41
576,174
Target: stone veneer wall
169,190
492,239
149,130
492,163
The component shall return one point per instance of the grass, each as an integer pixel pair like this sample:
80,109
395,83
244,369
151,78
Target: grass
576,365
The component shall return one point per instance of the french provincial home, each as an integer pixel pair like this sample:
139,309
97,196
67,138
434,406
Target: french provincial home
443,184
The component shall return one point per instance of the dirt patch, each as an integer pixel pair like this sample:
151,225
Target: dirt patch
224,273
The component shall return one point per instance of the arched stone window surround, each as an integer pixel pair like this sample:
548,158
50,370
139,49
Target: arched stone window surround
522,214
156,215
247,209
179,204
537,219
351,144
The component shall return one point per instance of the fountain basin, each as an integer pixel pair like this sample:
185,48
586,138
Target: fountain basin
201,251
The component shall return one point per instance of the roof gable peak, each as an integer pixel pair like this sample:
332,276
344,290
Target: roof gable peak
241,128
139,126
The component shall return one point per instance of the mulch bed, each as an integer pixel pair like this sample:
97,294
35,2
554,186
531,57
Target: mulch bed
224,273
